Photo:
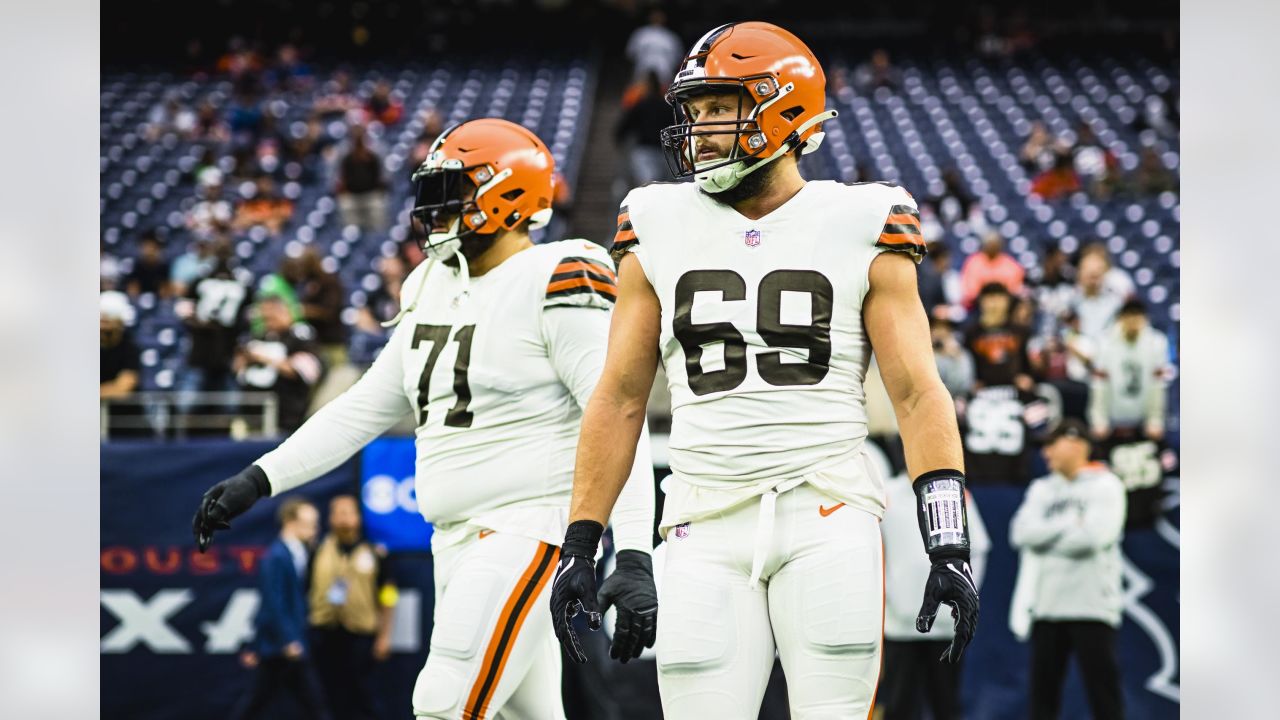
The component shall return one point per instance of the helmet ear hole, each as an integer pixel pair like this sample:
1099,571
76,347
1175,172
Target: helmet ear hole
792,113
511,195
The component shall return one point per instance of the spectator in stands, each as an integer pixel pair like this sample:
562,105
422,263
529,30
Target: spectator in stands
1093,303
955,364
265,208
213,312
878,72
432,126
109,271
290,72
150,273
368,336
1068,593
999,346
362,189
209,123
190,266
939,283
1160,113
990,265
1059,180
281,358
321,299
282,657
1115,280
1152,177
1095,166
654,48
383,105
1052,284
351,598
1063,358
119,362
1040,149
1131,373
913,678
956,202
171,116
212,214
638,132
338,97
245,116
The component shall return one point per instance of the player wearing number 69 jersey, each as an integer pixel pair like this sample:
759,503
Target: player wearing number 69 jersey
497,347
763,296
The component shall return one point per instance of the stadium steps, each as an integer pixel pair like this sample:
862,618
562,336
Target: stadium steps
596,205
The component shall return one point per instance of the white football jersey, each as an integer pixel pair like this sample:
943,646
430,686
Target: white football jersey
762,337
495,370
495,423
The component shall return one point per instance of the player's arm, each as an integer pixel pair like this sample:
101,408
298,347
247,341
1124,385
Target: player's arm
611,428
899,332
326,440
615,415
577,338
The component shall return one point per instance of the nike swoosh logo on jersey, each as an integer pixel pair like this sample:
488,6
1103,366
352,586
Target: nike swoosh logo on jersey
485,533
825,511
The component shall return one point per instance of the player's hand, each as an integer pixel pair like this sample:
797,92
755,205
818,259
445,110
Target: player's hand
631,588
293,650
226,500
951,583
574,588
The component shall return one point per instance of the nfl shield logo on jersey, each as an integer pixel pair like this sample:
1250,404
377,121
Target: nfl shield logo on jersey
682,530
753,238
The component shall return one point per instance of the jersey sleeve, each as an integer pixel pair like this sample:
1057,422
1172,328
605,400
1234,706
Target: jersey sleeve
625,240
583,277
901,230
340,428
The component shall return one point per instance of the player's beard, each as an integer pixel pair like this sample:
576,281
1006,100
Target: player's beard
473,246
747,188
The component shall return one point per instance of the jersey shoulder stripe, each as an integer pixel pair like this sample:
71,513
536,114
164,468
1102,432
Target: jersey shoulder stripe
583,276
901,231
625,238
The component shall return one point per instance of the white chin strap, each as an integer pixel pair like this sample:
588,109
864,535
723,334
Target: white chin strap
728,176
439,247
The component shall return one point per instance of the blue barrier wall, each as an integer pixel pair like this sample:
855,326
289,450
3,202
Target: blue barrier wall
173,620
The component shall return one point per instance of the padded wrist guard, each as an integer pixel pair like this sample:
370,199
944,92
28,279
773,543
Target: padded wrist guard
940,508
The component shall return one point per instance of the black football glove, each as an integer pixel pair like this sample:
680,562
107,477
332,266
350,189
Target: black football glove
951,583
226,500
631,588
574,588
944,527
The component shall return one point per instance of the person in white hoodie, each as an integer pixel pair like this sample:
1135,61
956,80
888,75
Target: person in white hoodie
1069,528
913,676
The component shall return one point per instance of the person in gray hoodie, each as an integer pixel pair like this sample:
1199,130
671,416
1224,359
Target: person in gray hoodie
1069,528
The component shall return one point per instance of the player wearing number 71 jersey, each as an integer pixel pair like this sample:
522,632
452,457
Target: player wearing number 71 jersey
498,345
763,296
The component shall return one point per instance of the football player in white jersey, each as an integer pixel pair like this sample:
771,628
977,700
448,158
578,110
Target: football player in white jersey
498,345
763,296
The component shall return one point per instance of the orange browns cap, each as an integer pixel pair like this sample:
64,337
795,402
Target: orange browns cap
511,169
767,66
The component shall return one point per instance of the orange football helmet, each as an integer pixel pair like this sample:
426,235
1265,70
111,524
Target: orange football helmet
489,174
770,69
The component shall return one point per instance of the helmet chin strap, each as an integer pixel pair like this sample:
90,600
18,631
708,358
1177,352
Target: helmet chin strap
439,247
728,176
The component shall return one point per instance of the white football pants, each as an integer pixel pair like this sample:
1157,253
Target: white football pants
493,653
819,601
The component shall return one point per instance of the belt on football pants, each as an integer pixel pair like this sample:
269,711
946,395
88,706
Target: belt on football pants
764,528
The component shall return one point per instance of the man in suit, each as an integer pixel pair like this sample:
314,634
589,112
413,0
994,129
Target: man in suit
282,659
